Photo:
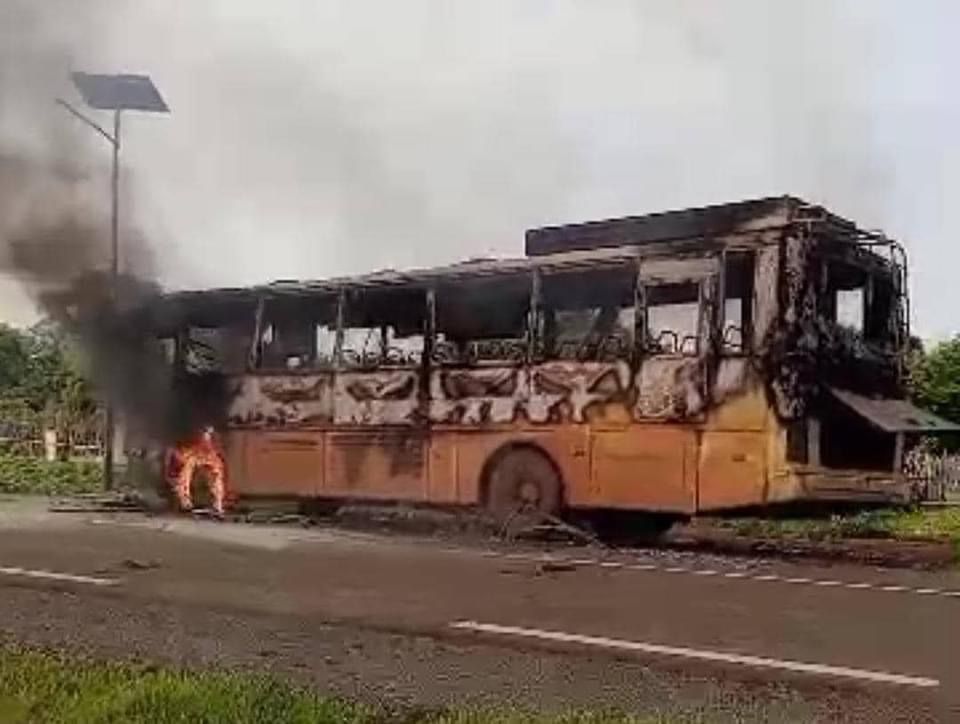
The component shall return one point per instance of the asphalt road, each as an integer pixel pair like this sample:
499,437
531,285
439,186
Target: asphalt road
424,623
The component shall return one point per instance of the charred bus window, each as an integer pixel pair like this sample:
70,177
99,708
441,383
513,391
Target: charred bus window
673,319
861,301
737,323
215,339
588,315
325,339
289,333
482,321
845,301
879,317
383,327
850,309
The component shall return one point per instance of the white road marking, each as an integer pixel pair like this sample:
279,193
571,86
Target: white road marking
54,576
709,572
700,654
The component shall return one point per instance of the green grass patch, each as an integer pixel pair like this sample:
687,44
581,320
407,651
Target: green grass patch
21,474
892,523
44,687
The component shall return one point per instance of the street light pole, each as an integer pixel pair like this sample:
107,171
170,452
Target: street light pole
114,93
109,422
115,207
114,140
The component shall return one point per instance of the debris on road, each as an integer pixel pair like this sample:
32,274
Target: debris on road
138,565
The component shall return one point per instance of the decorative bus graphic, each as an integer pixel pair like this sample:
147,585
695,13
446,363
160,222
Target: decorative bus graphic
695,360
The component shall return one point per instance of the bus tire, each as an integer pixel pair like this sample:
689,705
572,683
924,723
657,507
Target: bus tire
522,483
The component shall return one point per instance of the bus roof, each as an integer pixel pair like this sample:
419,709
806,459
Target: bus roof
577,246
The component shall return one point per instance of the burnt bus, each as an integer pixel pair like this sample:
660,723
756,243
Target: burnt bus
700,360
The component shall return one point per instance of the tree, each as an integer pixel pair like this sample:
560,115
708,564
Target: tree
935,379
40,367
14,361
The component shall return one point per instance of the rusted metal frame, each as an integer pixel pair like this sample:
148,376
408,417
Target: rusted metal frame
254,358
426,361
708,347
384,343
640,322
868,261
901,306
585,259
720,311
339,335
534,317
866,306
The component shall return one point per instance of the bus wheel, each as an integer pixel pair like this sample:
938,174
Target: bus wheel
522,483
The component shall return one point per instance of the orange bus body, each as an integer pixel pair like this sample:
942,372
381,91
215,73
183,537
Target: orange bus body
772,407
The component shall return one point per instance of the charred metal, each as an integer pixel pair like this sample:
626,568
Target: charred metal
665,318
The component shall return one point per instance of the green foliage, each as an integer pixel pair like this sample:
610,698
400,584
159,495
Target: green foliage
935,379
42,367
39,687
25,474
47,688
900,524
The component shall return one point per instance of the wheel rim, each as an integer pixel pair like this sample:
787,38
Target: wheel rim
528,492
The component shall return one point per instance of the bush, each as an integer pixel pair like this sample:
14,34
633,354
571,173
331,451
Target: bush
22,474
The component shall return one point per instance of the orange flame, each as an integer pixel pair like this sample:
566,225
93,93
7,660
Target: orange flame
187,458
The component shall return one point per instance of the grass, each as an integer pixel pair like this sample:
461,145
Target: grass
46,687
22,474
899,524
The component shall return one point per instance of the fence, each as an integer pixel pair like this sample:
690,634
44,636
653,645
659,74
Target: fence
57,434
935,475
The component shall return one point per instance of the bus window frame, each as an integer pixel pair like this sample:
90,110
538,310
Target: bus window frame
466,353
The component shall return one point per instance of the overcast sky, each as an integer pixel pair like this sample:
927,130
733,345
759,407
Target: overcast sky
313,138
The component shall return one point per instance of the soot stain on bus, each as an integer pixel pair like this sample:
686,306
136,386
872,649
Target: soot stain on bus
504,361
612,356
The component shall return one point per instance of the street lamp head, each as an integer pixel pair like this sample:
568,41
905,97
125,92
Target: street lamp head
123,92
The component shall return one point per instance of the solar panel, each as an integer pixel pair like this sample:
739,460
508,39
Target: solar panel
119,92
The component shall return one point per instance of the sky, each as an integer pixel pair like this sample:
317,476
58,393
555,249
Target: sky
314,138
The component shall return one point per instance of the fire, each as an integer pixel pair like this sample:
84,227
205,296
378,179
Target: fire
203,452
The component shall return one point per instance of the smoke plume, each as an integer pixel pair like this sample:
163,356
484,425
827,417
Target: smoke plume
54,223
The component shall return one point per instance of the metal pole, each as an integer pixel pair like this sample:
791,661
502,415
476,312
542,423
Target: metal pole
109,422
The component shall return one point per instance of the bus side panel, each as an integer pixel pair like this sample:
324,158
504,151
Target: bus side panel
377,463
234,444
279,463
645,467
442,479
567,447
733,453
732,469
